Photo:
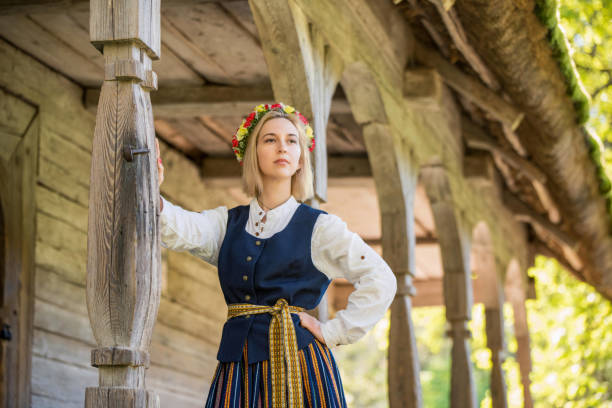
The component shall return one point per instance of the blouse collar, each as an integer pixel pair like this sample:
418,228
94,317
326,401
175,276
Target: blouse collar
274,215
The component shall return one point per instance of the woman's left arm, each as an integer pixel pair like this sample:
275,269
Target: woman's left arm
341,253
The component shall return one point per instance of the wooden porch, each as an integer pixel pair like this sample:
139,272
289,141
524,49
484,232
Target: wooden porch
424,148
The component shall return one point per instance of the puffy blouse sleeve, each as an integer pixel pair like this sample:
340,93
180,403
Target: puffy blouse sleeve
341,253
200,233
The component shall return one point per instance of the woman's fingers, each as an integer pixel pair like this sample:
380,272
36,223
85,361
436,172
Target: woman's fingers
312,325
160,166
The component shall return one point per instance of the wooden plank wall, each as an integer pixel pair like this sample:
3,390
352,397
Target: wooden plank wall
192,308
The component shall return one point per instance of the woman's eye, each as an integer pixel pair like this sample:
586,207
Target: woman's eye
269,140
293,141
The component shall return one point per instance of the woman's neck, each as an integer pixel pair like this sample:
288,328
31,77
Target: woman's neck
274,193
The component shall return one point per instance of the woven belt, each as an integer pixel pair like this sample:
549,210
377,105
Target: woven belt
283,346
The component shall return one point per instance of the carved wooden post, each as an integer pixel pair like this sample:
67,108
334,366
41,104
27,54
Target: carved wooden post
123,269
457,285
396,190
516,293
495,342
304,73
394,172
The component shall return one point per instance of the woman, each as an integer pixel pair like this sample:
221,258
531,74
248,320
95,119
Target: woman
276,257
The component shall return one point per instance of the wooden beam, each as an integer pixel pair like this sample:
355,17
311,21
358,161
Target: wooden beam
522,212
17,7
210,100
470,87
338,166
422,88
476,138
456,32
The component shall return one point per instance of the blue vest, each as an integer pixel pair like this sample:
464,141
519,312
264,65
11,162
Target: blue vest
261,271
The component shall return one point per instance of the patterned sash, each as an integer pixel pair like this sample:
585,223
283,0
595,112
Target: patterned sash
283,346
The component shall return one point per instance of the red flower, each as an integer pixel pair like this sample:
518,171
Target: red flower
312,145
303,119
234,142
267,106
276,105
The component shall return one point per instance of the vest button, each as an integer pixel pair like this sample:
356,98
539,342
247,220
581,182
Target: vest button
258,242
245,277
247,297
248,258
257,234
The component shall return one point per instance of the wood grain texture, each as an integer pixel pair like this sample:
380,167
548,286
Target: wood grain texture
307,82
222,52
458,297
471,88
31,37
126,20
395,176
17,196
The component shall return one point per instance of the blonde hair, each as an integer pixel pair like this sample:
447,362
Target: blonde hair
301,181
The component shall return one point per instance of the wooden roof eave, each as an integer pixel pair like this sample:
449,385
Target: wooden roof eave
514,44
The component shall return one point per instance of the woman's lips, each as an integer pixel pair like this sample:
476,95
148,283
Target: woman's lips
281,161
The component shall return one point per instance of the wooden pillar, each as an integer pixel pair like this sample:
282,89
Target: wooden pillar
123,268
395,176
304,72
458,299
523,353
516,293
495,343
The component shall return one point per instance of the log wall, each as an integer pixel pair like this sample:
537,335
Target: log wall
192,310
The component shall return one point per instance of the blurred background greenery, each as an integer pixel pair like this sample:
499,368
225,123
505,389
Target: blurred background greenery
570,324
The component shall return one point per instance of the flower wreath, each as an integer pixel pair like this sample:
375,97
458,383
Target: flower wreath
239,141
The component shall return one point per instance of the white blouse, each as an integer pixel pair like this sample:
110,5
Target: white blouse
336,251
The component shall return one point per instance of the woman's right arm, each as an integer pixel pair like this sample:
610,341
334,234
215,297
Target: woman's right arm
199,233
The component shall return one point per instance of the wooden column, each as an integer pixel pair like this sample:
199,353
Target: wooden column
304,71
454,248
495,343
523,353
516,293
395,175
123,268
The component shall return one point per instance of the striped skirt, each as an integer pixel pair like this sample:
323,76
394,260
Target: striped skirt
242,385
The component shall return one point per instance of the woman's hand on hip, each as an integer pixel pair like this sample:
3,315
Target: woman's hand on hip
312,324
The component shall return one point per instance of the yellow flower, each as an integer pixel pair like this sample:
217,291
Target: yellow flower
242,131
308,130
289,109
260,108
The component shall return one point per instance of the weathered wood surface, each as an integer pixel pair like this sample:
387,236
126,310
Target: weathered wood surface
395,175
62,336
234,52
471,88
17,231
307,82
458,299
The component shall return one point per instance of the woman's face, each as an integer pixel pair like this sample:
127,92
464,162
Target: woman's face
278,149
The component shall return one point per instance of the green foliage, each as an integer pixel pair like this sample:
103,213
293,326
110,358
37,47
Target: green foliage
571,337
587,26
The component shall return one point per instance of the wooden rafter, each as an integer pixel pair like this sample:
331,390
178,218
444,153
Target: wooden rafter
456,32
16,7
470,87
209,100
